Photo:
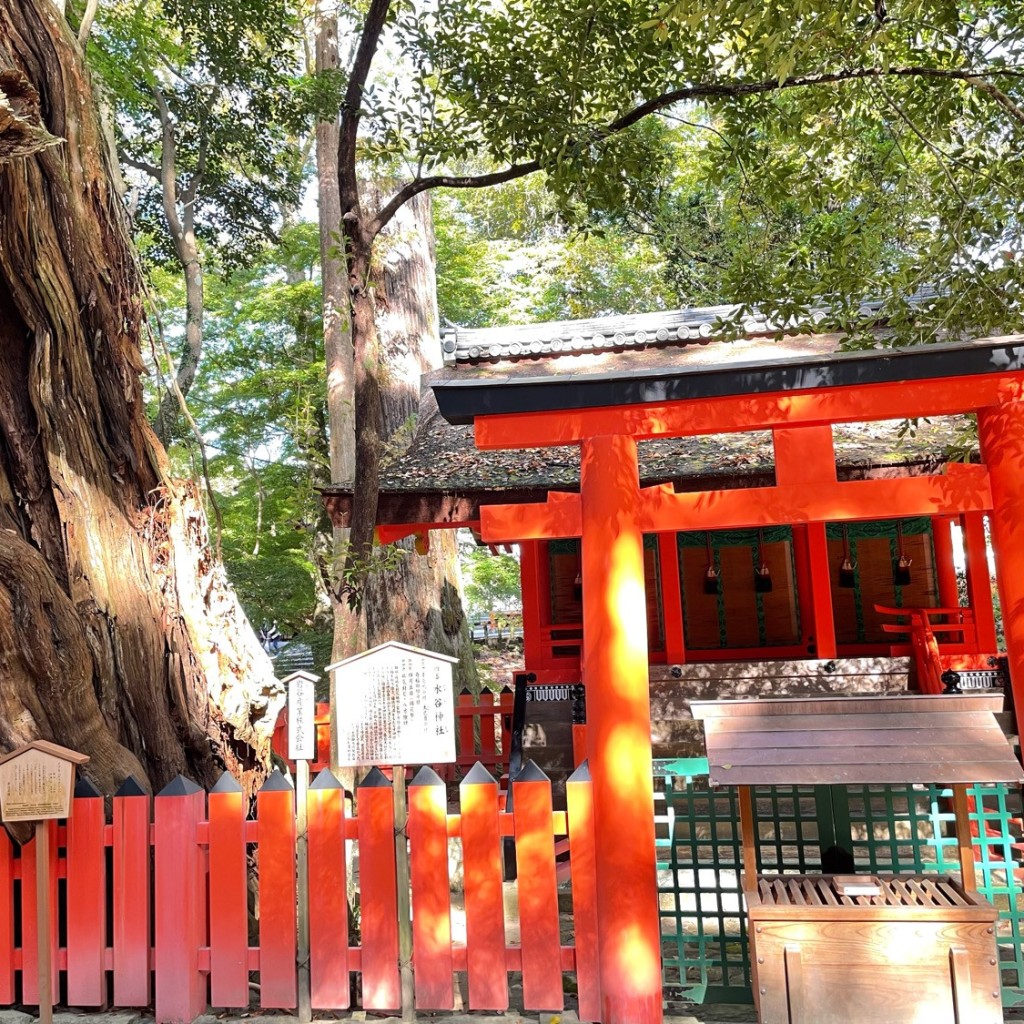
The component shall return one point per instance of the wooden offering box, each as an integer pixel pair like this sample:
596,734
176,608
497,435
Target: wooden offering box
865,949
923,950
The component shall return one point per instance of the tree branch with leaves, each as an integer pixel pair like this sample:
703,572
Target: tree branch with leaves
565,90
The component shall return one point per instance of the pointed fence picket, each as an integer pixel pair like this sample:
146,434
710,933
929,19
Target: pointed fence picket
229,895
486,961
431,897
275,812
329,962
179,865
579,800
7,951
131,903
86,898
156,902
378,900
538,890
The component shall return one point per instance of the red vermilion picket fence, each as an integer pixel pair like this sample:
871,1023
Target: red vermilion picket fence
484,734
183,871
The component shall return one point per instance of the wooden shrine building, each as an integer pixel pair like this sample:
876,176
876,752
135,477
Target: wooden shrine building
682,501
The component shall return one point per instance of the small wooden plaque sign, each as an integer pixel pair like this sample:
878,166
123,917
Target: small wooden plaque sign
36,781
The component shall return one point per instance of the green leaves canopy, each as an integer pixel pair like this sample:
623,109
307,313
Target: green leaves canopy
227,71
865,151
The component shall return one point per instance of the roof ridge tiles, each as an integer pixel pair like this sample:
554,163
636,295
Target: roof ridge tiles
697,324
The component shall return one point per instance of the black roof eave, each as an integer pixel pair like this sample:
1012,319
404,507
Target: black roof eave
460,401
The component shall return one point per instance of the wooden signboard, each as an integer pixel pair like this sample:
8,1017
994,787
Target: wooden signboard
394,707
36,782
301,716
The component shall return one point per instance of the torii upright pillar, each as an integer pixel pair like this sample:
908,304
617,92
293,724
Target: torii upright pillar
1001,435
615,672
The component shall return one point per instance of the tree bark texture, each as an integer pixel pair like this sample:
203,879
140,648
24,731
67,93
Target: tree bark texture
119,636
349,624
418,602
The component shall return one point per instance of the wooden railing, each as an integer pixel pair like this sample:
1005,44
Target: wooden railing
178,868
483,733
924,634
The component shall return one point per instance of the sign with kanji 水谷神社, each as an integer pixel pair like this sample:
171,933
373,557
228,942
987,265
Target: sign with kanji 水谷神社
395,706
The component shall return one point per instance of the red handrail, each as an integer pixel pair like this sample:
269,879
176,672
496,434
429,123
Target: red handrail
923,640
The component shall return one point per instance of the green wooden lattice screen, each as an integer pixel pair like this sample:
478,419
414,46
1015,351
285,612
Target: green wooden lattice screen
888,829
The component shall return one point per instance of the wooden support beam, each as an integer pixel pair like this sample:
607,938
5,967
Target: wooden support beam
964,845
963,487
823,617
662,510
804,455
535,595
671,599
979,583
1001,433
748,838
558,517
945,569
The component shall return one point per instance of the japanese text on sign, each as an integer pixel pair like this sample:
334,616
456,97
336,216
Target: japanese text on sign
395,707
301,719
35,786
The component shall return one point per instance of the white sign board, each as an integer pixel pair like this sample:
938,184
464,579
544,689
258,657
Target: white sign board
301,717
395,706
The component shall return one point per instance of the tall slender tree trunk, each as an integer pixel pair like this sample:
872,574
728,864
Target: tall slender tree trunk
118,633
182,227
419,601
349,624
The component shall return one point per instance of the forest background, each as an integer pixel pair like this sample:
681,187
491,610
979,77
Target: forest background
313,189
658,221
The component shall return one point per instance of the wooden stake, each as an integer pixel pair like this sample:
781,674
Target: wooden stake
43,920
305,1012
748,837
404,909
963,837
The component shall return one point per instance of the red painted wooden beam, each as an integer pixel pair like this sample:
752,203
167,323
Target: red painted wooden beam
619,732
961,488
559,516
938,397
1001,434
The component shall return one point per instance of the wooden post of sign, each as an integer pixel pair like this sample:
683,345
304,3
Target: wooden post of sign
402,877
301,749
36,781
302,889
399,710
43,921
748,838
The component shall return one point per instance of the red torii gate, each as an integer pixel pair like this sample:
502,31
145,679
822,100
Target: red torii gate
612,512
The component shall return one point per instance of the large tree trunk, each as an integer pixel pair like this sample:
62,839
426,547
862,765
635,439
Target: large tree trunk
349,624
118,634
420,601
